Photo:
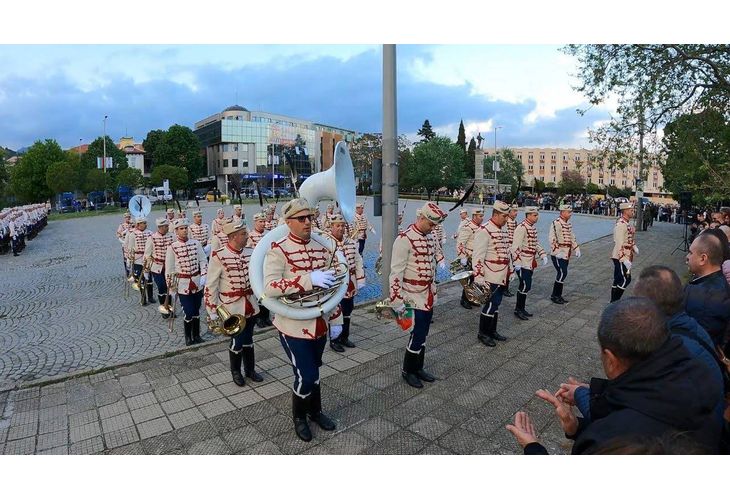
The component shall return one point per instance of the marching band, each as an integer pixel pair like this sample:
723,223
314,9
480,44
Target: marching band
18,224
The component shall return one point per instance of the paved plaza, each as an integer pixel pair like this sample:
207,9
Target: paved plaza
186,403
62,306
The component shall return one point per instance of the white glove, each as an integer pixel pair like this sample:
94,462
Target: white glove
323,279
203,279
577,252
360,285
544,260
512,277
400,309
442,264
214,317
627,264
372,230
463,261
636,250
206,249
335,331
518,269
443,240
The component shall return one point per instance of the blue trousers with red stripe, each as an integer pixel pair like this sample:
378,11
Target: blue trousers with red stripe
305,356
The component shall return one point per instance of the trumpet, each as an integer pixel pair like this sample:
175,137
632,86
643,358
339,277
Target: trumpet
317,295
227,324
475,293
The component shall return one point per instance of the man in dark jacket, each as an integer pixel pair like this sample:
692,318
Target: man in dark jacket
707,296
654,387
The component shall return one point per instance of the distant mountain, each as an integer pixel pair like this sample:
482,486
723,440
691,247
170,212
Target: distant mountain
8,152
23,150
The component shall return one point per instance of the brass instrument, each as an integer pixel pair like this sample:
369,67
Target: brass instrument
383,309
379,265
317,296
227,323
456,267
475,293
170,290
140,283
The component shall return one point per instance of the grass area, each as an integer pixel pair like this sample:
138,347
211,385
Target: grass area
93,213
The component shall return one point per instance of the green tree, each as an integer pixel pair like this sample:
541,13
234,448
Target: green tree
593,188
571,183
461,138
470,167
130,177
437,163
28,178
63,176
697,156
538,186
178,176
96,180
150,144
181,147
426,132
510,171
368,147
96,150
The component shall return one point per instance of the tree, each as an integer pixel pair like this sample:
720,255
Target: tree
96,150
437,163
181,147
130,177
151,142
593,188
461,138
538,186
178,176
426,132
697,152
4,177
571,183
510,171
368,147
28,178
63,176
470,167
96,180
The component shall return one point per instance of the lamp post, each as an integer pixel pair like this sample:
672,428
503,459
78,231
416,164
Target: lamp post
103,158
494,164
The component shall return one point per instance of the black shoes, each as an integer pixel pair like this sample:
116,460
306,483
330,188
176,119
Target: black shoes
315,410
520,307
249,364
196,331
484,336
521,315
188,326
410,369
420,372
507,293
310,406
465,304
235,362
557,295
299,416
335,346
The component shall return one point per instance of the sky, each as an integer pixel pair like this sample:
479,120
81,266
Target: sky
64,91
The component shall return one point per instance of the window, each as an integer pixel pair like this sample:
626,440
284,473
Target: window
225,163
613,182
552,168
553,157
234,163
577,157
529,157
529,167
600,180
542,156
565,167
565,157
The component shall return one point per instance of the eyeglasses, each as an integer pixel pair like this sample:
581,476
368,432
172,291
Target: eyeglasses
303,218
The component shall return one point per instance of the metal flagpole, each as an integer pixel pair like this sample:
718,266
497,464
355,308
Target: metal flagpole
390,162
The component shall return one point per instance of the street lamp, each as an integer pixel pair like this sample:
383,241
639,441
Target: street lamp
103,159
495,163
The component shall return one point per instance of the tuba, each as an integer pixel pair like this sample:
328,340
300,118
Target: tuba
475,293
227,324
337,184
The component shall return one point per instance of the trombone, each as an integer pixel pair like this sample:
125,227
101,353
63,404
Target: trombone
174,280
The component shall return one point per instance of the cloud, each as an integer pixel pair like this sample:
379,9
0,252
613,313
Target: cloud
339,86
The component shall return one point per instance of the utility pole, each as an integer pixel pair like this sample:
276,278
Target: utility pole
103,160
495,163
390,163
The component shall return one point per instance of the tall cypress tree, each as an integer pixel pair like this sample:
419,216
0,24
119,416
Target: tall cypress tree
426,132
461,139
471,158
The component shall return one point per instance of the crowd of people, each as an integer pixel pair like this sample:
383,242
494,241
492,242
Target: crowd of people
20,224
665,387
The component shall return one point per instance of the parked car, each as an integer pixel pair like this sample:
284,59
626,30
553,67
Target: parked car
266,192
282,193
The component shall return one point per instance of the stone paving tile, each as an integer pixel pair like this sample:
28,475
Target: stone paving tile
130,449
121,437
263,448
217,407
348,443
113,409
166,444
246,398
376,429
243,438
186,417
168,393
196,432
87,447
60,450
196,385
214,446
154,427
205,396
177,404
22,431
459,440
402,442
82,418
147,413
52,440
55,424
271,390
85,432
117,422
25,446
430,428
140,401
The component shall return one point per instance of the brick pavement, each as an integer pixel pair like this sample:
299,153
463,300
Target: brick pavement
186,403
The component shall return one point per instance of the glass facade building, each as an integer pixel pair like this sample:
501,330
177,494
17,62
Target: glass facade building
251,145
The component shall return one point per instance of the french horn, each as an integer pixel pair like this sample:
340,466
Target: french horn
227,324
475,293
336,184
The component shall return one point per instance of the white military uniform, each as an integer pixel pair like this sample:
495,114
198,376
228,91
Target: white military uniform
135,244
228,282
525,246
623,241
198,232
254,237
490,260
218,241
562,239
287,268
465,239
156,249
187,259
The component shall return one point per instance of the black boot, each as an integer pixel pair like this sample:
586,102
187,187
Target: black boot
335,345
560,294
495,335
420,372
299,415
150,294
506,291
410,367
266,315
485,326
235,359
465,303
315,410
249,364
344,338
188,325
616,293
196,331
555,295
520,307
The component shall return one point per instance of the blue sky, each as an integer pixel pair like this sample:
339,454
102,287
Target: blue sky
64,91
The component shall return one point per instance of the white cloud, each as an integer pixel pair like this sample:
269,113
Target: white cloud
514,74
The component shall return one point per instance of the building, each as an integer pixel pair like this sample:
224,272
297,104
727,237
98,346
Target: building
252,145
135,155
548,165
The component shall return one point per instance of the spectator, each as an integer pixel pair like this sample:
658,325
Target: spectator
726,258
654,387
707,296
